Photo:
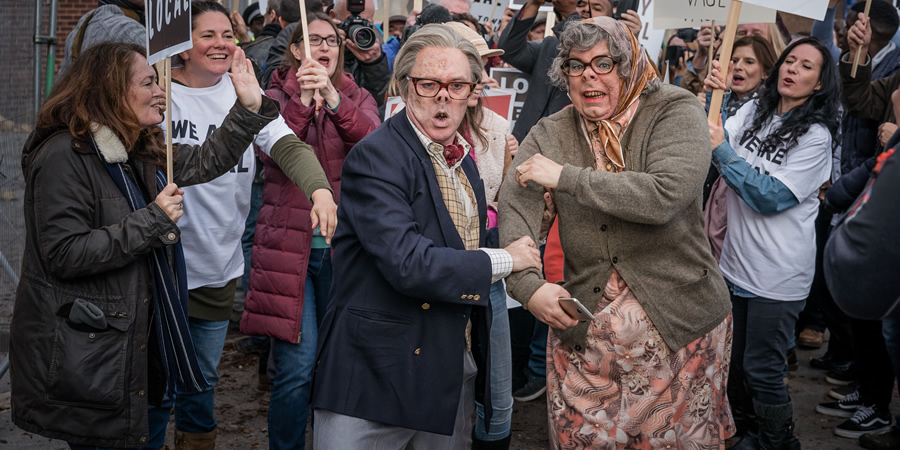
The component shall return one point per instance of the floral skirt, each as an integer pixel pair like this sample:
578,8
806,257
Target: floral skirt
629,390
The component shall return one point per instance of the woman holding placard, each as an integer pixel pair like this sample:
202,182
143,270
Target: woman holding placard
216,211
290,277
774,154
101,329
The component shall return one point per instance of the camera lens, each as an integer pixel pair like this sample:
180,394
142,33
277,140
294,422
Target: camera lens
363,37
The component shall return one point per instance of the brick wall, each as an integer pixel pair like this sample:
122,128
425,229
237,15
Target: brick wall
68,14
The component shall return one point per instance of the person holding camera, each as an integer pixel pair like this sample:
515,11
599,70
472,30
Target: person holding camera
366,62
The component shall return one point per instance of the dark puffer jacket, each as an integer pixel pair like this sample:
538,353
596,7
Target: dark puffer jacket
92,387
281,248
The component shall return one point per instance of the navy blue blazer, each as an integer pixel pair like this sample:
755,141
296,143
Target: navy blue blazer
392,342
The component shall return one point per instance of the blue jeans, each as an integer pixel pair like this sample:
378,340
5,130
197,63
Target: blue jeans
537,362
292,383
195,412
158,418
501,372
890,327
763,329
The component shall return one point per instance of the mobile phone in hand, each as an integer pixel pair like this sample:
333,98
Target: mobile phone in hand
622,6
575,309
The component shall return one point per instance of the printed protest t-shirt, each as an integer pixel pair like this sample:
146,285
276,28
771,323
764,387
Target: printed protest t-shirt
215,212
774,255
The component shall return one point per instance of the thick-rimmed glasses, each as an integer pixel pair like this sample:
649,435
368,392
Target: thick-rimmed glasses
315,40
601,65
458,90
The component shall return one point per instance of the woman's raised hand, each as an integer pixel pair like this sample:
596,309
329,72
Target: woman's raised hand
714,79
313,77
244,80
170,200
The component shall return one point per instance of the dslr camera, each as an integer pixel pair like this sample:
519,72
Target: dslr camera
357,29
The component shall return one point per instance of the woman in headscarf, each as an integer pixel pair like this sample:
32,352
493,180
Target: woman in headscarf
625,167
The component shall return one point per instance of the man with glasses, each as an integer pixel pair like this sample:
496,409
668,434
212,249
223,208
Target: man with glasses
409,316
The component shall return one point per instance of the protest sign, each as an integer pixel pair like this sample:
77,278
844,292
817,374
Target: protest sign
650,37
168,28
518,4
694,13
500,101
168,24
515,80
489,10
814,9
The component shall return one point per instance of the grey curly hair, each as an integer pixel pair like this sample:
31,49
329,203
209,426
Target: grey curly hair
583,36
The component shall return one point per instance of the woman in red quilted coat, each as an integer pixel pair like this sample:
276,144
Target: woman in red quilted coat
290,274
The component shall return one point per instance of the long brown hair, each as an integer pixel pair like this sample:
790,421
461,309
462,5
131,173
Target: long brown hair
95,90
297,38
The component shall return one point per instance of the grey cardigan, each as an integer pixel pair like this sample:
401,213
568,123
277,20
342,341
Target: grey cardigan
645,222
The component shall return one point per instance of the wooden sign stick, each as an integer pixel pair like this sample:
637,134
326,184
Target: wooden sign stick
305,25
169,131
235,5
734,13
493,11
712,47
386,23
417,5
860,50
551,20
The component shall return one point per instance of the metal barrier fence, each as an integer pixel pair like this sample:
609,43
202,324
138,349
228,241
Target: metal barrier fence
17,113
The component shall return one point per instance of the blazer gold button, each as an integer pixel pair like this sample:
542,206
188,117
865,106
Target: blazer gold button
477,297
418,350
463,297
171,236
471,297
425,306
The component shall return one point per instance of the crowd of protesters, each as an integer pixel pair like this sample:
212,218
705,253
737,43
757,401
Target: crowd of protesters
406,275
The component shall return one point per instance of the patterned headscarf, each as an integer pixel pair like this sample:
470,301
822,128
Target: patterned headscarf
608,132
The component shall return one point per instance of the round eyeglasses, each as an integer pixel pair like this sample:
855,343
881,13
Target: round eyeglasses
315,40
458,90
601,65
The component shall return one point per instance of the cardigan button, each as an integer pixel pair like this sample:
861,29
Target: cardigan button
602,227
141,394
578,348
597,290
143,439
143,348
615,259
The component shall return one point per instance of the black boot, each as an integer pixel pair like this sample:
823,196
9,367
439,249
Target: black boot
776,426
502,444
745,421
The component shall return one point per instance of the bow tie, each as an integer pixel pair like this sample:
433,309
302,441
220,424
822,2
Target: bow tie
453,153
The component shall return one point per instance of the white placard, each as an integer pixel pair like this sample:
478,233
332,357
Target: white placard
814,9
650,37
693,13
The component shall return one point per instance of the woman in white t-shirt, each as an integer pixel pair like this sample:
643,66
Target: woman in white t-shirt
215,212
774,154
